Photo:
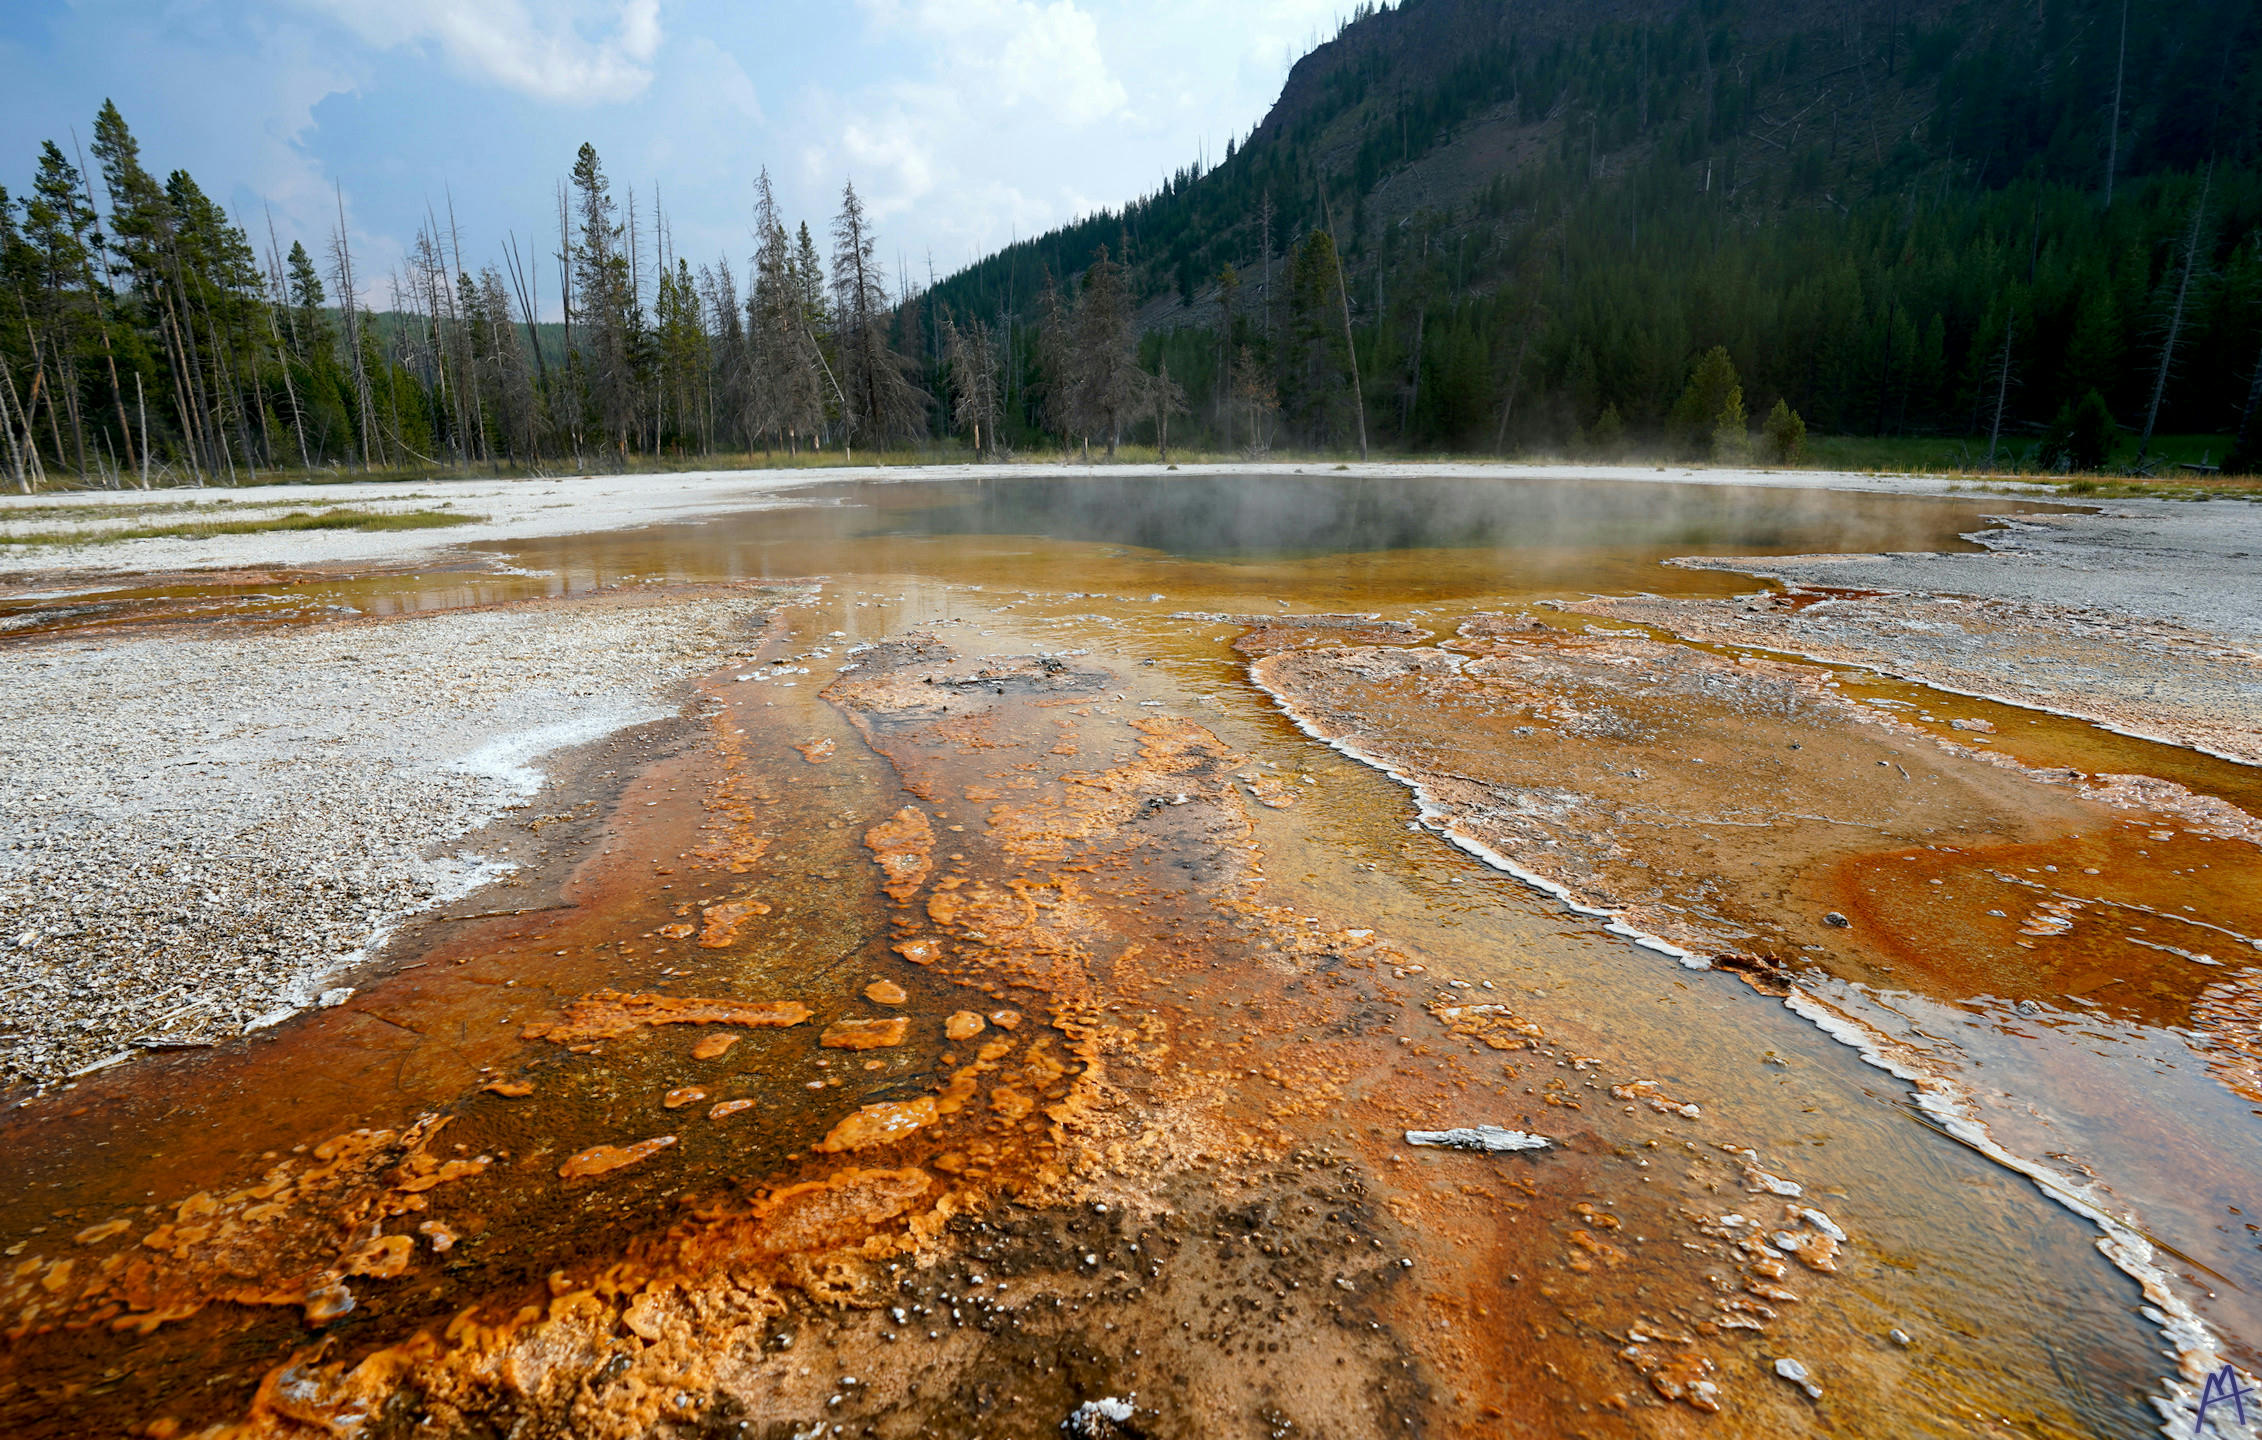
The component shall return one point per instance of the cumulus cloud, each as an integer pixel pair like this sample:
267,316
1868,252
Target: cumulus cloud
577,51
1011,54
980,120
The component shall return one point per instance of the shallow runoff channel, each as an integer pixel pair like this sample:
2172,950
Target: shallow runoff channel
1919,1283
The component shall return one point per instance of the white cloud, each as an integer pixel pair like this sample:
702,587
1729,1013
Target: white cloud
979,120
583,51
1011,54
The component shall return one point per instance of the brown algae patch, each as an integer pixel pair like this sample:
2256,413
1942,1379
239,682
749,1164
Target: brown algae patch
963,1025
880,1124
291,1238
714,1047
723,922
608,1014
866,1034
604,1159
904,846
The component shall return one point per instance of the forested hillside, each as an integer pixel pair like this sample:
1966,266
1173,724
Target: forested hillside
1899,217
1639,226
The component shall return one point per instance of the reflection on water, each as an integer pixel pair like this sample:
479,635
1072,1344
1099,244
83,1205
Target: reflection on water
2017,1325
1322,535
1274,517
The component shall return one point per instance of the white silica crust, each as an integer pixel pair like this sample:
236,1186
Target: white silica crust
198,834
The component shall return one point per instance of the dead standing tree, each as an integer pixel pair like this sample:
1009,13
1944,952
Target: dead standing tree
1165,397
2175,315
1350,346
971,355
2002,387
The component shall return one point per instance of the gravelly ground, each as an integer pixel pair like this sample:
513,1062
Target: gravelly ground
2192,563
194,833
2143,677
2142,618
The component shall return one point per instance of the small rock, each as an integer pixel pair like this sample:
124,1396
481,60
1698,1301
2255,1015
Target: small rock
1794,1372
1479,1137
1836,921
1098,1419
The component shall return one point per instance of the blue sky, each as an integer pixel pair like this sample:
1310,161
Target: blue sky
963,122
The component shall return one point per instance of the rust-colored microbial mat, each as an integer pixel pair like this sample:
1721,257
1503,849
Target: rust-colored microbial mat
989,1013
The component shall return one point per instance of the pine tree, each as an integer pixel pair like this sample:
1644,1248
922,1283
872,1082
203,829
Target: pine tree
1696,416
1784,435
606,307
880,403
1731,430
1104,380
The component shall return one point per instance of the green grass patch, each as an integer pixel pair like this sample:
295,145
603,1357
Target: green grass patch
2016,459
211,529
122,509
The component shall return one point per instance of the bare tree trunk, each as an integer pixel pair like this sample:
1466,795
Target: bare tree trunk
1414,384
31,435
1515,383
109,290
141,402
2002,388
39,383
2253,406
16,463
70,383
1350,346
2113,140
283,356
177,361
224,383
847,445
290,393
468,369
363,402
2175,317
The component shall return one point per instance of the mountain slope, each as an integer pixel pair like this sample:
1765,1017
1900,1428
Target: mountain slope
1548,209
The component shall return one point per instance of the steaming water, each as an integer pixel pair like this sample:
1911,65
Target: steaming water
2021,1326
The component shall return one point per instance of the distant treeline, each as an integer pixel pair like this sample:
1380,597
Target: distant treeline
148,338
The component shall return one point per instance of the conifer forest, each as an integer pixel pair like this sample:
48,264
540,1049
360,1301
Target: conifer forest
1681,231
